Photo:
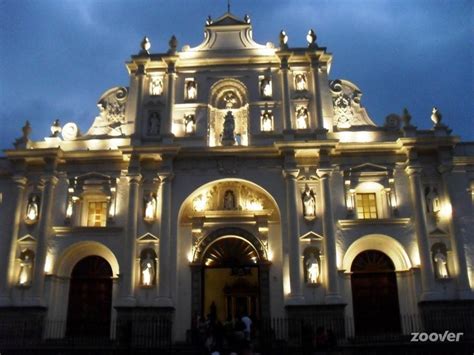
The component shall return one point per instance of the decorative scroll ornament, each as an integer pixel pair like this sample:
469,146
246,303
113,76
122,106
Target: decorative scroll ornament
348,110
70,131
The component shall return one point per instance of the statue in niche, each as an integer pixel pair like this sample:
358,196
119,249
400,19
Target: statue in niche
154,122
300,82
191,90
147,268
189,124
156,86
229,200
433,204
265,87
312,268
69,208
309,202
26,267
267,121
150,208
32,210
302,117
441,264
228,136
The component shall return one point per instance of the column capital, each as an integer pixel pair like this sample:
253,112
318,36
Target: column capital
291,173
20,181
49,179
165,176
324,173
134,178
413,170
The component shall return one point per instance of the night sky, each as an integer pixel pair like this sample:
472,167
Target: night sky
58,56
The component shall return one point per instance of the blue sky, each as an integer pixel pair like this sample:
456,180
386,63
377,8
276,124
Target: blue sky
58,56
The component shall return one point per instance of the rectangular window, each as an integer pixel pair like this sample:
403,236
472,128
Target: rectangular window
97,214
366,206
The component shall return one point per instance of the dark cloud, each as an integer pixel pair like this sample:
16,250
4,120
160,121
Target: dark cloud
58,56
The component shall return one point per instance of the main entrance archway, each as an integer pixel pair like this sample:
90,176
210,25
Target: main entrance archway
374,294
231,277
90,297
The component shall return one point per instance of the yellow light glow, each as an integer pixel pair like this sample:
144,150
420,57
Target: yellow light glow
358,137
254,205
199,203
190,256
48,265
270,255
446,211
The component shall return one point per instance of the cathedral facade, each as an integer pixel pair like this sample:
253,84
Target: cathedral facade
230,178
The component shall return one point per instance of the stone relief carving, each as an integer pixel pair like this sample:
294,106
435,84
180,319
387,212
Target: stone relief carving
348,111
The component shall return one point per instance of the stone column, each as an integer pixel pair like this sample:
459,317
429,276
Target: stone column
164,279
128,267
293,233
285,94
8,250
44,232
316,104
170,100
457,242
419,208
332,286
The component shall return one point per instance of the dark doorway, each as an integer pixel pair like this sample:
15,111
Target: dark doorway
374,294
90,298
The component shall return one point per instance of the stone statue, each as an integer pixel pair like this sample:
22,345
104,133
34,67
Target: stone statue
191,90
189,124
312,267
302,118
173,43
406,118
32,210
25,138
441,264
228,136
300,82
55,129
150,208
433,204
156,86
267,121
309,202
69,208
154,122
209,20
147,267
265,87
229,200
26,267
283,40
145,46
436,117
247,18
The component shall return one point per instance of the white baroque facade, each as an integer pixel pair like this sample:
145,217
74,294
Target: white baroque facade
236,177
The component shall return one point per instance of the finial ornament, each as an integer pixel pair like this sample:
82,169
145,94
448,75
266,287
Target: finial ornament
228,6
311,38
247,18
173,43
406,117
145,45
436,117
55,129
209,20
23,141
283,40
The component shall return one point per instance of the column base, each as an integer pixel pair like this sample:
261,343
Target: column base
453,316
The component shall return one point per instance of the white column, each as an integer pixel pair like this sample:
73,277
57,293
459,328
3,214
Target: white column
164,279
293,233
170,100
457,243
44,232
128,267
332,286
285,94
419,208
317,109
7,252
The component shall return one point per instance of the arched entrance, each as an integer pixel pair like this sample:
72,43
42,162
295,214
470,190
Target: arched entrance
90,298
233,275
374,294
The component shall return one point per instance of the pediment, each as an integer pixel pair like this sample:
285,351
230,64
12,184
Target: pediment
148,237
27,239
227,20
437,232
311,236
369,168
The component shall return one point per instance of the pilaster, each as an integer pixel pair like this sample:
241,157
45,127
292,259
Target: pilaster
285,91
